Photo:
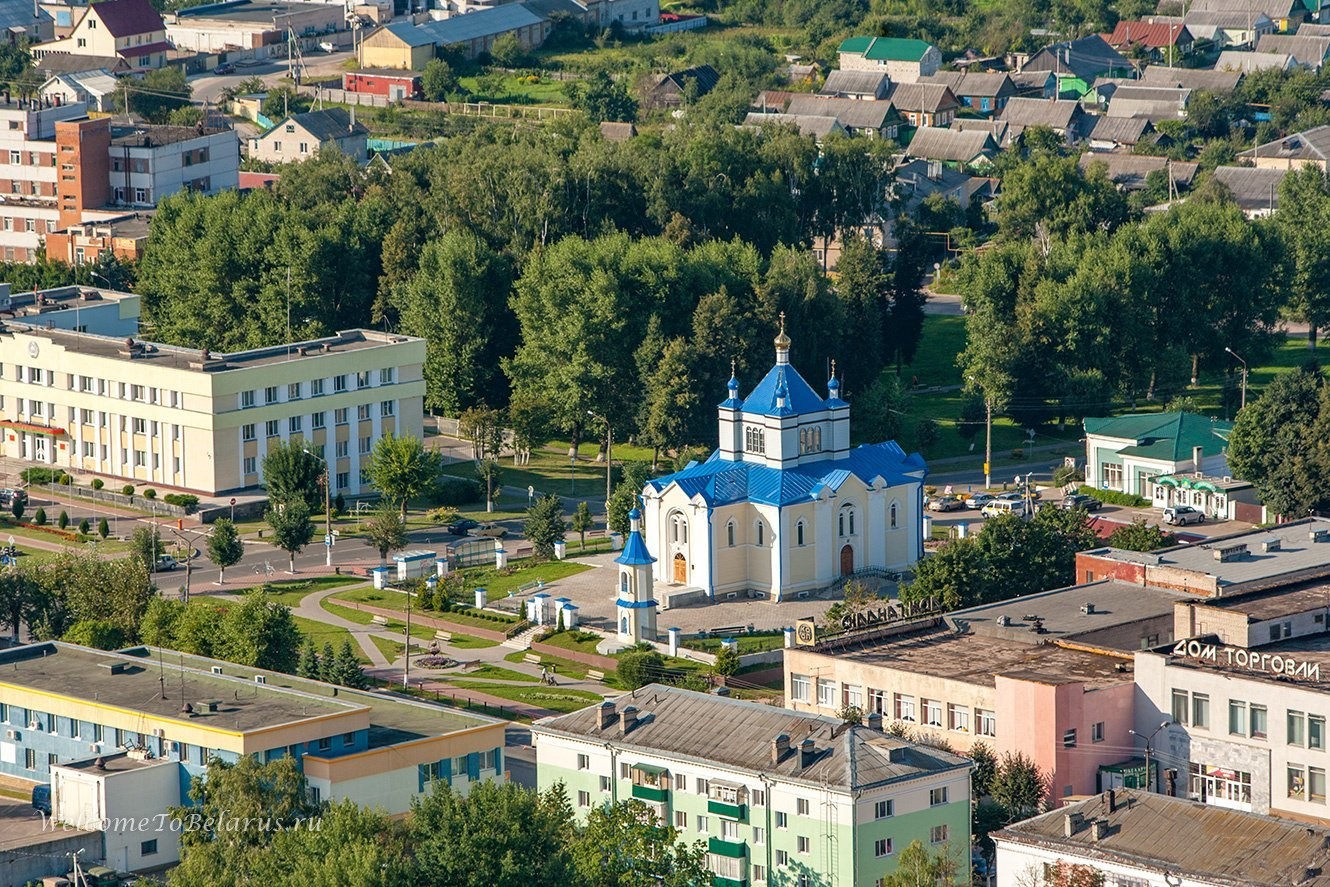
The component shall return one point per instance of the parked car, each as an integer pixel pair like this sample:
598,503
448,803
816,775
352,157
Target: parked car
7,497
1005,506
945,503
328,47
41,798
1080,500
1180,515
224,68
493,531
165,563
978,500
462,526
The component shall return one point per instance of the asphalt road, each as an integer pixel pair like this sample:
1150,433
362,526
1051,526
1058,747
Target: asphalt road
208,87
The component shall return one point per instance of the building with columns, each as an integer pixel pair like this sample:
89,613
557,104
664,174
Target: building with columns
156,415
785,506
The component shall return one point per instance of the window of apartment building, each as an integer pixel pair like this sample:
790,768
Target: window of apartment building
140,426
29,759
1110,476
294,424
1295,728
1297,781
1259,722
1316,732
366,444
343,480
800,687
584,799
1069,738
86,417
251,465
801,806
729,830
702,786
140,459
362,379
317,420
387,375
583,762
1316,785
16,157
802,844
939,834
362,412
782,819
884,809
1200,710
937,796
156,461
1097,731
1181,704
1237,717
339,415
247,431
386,408
30,225
141,195
878,701
270,394
293,391
342,449
782,859
605,782
826,692
316,388
759,835
702,824
136,392
851,696
246,399
759,872
905,708
85,384
958,718
339,383
680,820
271,428
758,797
89,449
35,375
932,713
882,847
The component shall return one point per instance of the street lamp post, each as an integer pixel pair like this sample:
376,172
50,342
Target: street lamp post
1244,381
572,475
988,437
1149,774
609,458
327,507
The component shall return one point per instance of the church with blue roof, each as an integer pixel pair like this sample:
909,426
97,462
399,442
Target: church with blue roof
784,506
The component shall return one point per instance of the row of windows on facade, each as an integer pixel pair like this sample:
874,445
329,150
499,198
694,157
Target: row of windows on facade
899,706
100,387
317,388
37,409
1250,720
8,223
845,527
341,479
33,158
296,424
755,441
277,146
435,771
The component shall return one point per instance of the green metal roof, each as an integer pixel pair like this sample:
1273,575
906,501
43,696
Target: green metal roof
886,49
1166,437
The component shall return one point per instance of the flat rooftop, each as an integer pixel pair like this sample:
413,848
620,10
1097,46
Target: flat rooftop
974,659
151,354
731,732
149,135
1257,663
1262,605
1296,553
1193,841
24,304
114,763
1069,612
250,13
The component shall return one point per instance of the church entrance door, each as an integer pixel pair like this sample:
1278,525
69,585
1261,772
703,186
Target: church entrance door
680,570
846,561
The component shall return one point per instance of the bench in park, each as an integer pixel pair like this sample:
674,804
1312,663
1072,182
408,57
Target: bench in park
442,635
729,630
594,675
376,619
531,658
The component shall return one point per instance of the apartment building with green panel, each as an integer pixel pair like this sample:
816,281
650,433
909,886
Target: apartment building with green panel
782,798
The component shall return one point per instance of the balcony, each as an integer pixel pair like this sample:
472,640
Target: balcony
650,793
729,849
650,783
718,881
728,811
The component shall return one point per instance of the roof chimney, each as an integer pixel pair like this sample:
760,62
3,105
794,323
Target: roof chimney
605,715
1071,824
627,719
1099,829
1111,800
875,721
780,746
806,753
1197,457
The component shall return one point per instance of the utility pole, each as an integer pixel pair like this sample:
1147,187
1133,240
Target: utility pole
406,662
988,443
1244,375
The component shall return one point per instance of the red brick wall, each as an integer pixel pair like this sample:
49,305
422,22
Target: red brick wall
83,164
1092,568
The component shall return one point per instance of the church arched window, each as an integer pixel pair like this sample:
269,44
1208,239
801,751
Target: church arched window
678,528
761,534
623,625
729,534
799,533
623,583
840,528
817,440
895,515
845,522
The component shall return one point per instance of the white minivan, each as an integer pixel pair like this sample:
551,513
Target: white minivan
1017,507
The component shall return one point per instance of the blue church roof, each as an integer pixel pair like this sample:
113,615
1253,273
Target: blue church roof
721,481
635,551
799,395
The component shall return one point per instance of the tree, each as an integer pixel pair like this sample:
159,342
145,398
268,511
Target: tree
499,835
154,95
160,623
291,472
507,52
259,633
437,80
225,546
1274,443
249,789
16,509
985,769
39,516
283,100
1141,536
402,469
21,598
545,524
633,477
62,521
672,399
727,661
602,99
84,527
1020,787
916,867
582,521
346,668
638,668
100,634
328,664
627,845
385,530
292,528
308,664
145,544
103,528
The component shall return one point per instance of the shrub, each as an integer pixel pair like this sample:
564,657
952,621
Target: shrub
98,483
1113,497
1066,474
184,500
127,490
85,527
339,504
66,479
63,520
454,491
41,475
150,493
103,528
39,517
640,667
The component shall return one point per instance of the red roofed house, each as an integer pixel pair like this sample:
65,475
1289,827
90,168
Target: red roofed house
129,29
1164,42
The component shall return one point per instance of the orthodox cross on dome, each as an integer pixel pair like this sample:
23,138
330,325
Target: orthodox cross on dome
782,343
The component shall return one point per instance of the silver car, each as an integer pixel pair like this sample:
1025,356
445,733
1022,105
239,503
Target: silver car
1181,515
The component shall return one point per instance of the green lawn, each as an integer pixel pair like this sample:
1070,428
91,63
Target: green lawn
748,643
553,698
489,672
549,470
562,667
517,90
292,591
519,573
580,641
393,600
